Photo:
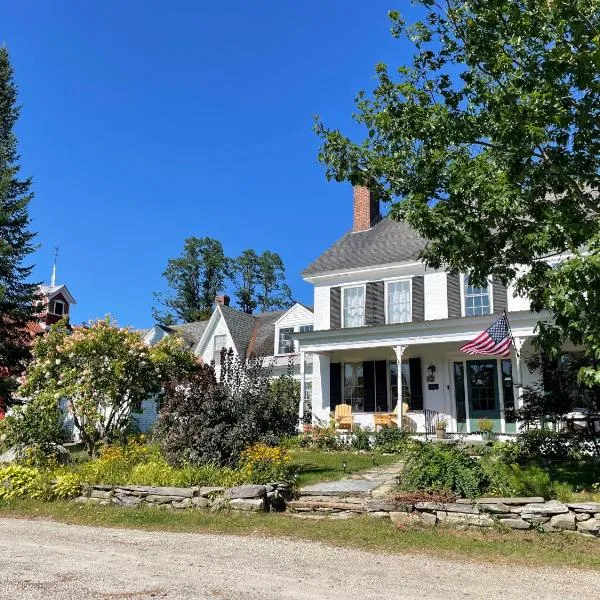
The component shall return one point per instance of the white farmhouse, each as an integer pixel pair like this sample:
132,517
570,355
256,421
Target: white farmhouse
379,312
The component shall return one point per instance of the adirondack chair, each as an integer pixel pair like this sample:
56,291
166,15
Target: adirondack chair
343,416
383,420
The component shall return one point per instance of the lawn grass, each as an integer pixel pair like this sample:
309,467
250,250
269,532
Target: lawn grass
313,466
367,533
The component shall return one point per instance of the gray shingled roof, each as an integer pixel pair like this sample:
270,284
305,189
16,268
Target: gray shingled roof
240,325
191,332
386,242
263,338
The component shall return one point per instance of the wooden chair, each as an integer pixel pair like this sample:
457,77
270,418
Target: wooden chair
382,420
343,416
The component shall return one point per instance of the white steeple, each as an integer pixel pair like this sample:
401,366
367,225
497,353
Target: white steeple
53,278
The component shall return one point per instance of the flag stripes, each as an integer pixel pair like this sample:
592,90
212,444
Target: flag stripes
496,340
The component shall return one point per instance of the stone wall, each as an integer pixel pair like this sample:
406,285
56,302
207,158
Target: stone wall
513,513
247,498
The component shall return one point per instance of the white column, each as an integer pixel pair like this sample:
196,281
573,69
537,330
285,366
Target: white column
399,351
320,387
518,375
302,390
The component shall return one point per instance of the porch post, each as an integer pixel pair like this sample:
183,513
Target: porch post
518,341
302,390
399,351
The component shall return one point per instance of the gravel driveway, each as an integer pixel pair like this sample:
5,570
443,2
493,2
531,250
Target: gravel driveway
45,560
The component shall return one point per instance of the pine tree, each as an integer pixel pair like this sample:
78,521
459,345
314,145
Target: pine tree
17,296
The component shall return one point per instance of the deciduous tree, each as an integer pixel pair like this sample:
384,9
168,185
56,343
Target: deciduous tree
488,144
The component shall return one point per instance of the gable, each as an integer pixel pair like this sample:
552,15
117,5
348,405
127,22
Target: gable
298,314
215,326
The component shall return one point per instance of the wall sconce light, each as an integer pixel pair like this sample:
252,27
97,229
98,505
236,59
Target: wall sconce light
431,373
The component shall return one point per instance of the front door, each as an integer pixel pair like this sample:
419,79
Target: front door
482,387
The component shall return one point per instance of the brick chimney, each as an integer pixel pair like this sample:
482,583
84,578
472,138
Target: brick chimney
366,209
222,300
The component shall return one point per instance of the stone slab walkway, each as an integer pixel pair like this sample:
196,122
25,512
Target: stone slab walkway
376,482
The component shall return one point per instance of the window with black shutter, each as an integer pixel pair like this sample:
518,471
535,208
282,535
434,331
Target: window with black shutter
335,312
369,386
416,384
335,385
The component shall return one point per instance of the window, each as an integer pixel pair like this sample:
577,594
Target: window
482,385
305,328
398,302
394,384
59,307
308,389
286,343
219,342
354,386
354,306
477,299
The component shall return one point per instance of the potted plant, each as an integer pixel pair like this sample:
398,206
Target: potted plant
440,427
486,427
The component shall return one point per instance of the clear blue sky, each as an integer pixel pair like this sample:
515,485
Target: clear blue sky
147,122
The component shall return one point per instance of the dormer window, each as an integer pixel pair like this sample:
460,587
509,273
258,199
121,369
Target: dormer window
59,308
476,299
286,343
354,306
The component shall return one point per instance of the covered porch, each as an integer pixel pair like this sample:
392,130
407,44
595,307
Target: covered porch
417,378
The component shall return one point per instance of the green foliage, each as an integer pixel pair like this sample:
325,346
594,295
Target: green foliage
205,420
106,372
17,481
66,485
321,438
361,438
259,281
485,144
523,480
17,294
35,427
265,464
485,425
195,278
391,440
443,467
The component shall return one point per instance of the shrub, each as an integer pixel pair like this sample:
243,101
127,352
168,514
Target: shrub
263,464
321,438
205,420
66,485
544,443
391,440
17,481
517,480
443,467
361,438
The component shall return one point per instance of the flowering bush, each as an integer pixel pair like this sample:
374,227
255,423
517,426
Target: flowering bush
321,438
263,464
105,372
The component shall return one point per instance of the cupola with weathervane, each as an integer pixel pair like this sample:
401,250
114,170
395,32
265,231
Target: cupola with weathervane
56,300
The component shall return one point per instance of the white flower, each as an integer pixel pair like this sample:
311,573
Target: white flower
57,361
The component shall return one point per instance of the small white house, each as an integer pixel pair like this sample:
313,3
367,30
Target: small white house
266,335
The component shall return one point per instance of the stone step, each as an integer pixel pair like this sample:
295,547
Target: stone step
325,506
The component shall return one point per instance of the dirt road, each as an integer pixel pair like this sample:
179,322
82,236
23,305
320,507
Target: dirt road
45,560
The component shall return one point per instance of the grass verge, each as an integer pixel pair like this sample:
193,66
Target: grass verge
366,533
315,465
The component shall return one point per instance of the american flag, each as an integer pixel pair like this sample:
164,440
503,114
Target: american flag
496,339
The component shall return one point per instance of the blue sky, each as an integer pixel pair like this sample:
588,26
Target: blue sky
148,122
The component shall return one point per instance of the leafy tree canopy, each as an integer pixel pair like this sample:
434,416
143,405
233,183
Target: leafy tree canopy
488,144
17,296
195,278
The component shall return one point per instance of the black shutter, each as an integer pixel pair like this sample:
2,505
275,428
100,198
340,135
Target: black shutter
500,297
335,385
374,303
335,308
381,386
453,296
418,299
369,383
416,384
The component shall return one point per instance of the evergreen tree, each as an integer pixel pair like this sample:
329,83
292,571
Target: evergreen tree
17,296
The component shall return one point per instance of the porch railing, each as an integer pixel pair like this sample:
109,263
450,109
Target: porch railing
430,419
